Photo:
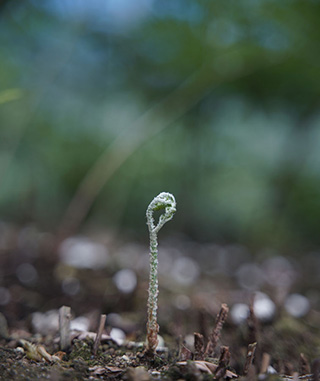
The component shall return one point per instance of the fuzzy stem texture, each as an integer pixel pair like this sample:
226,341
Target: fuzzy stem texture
167,202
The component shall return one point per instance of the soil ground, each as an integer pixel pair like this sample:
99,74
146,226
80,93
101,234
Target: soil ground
286,347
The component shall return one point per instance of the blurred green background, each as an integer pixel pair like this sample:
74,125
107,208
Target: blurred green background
106,103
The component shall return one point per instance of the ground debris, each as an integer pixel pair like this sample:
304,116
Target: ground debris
99,370
38,352
207,367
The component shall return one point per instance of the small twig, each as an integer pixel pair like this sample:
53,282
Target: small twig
198,346
220,320
184,353
304,365
99,333
250,356
223,363
253,324
64,327
288,368
265,362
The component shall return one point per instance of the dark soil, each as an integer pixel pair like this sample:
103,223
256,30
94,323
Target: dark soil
286,346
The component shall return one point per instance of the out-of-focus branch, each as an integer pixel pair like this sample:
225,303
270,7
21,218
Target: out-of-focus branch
151,123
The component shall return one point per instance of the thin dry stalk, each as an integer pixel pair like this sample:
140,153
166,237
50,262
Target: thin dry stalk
250,357
223,363
184,353
304,365
288,368
198,346
99,333
265,362
253,324
214,338
64,327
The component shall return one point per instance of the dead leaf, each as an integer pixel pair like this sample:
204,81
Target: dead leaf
207,367
37,352
98,370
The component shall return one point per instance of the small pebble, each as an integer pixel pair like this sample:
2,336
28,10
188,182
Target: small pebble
125,280
239,313
297,305
264,308
117,335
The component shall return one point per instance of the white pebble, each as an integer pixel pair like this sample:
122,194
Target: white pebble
297,305
45,322
125,280
27,273
117,335
239,313
160,342
250,276
264,308
80,252
80,323
185,270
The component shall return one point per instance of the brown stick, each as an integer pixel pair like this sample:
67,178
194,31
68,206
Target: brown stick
265,362
198,346
220,320
304,365
64,327
184,353
99,333
253,324
223,363
250,356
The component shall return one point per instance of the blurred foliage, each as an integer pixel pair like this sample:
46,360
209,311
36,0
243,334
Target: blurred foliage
216,102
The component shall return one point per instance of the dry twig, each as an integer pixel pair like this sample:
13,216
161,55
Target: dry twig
223,363
253,324
198,346
64,327
250,357
265,362
304,365
220,320
99,333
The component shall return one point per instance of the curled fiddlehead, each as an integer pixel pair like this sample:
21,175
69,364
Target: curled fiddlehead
167,202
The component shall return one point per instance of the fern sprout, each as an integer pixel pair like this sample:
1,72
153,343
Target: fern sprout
167,202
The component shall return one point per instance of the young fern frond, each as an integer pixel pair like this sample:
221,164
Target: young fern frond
167,202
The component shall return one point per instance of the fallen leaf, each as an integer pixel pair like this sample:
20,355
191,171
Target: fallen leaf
207,367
